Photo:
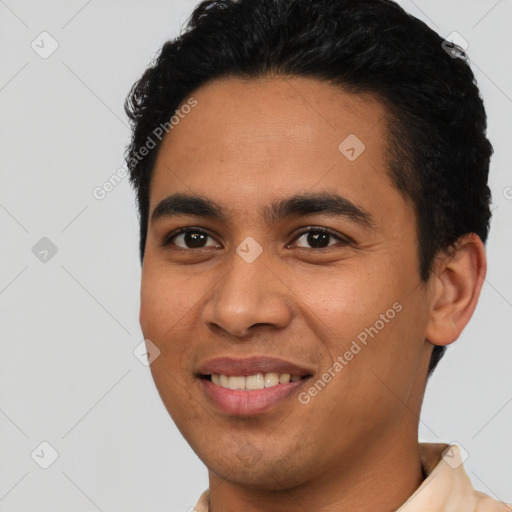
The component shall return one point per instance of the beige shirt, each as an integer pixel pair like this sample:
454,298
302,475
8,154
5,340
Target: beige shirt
447,487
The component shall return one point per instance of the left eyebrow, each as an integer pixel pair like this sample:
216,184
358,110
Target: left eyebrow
318,203
297,205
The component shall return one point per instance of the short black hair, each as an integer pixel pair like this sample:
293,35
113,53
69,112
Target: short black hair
438,152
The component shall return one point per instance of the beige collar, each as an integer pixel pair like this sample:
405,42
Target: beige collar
447,487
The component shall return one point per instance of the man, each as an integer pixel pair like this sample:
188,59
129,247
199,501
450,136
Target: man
311,178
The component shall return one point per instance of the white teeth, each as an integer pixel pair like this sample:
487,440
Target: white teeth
284,378
236,382
271,379
256,381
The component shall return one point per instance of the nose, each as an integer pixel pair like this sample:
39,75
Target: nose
249,295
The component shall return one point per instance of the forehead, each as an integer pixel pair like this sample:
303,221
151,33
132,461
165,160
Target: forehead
246,138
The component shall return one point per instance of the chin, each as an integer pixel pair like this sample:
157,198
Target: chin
245,465
257,477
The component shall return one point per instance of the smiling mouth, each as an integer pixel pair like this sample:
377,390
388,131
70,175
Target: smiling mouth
253,382
252,385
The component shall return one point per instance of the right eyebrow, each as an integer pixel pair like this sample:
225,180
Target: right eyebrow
185,204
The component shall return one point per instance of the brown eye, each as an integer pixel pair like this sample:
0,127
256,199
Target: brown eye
318,238
189,239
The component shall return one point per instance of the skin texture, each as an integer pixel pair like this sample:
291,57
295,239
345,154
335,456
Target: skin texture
245,144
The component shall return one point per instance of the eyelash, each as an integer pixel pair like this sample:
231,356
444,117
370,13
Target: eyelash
345,240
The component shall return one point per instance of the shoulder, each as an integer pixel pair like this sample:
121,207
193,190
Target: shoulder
485,503
204,502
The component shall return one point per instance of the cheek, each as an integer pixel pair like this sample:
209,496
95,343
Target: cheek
165,302
369,315
342,301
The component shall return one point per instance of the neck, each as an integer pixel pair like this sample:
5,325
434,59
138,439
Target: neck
381,478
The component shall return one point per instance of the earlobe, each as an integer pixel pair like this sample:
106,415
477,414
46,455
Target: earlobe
456,284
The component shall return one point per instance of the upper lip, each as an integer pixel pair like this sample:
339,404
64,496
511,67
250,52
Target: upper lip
250,366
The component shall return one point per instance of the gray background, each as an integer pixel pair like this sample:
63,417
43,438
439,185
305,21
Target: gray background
69,325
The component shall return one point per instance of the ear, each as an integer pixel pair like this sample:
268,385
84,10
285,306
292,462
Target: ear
455,286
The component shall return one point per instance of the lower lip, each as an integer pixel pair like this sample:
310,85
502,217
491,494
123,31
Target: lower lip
241,402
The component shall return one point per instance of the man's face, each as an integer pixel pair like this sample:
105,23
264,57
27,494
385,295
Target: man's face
338,285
